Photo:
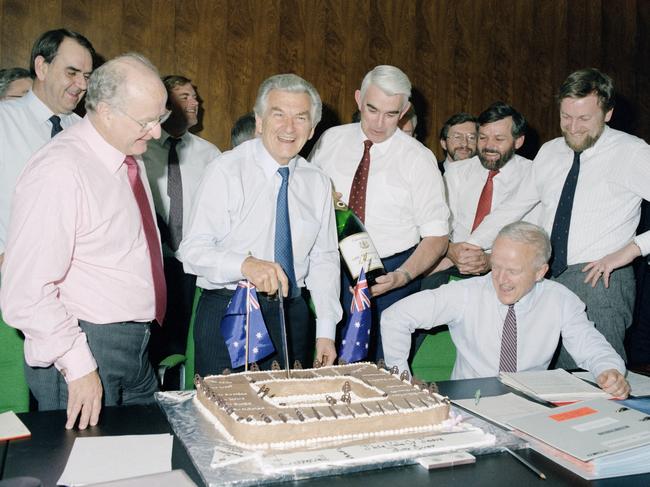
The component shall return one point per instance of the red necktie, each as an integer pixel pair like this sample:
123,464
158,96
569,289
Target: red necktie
357,201
150,233
485,201
508,358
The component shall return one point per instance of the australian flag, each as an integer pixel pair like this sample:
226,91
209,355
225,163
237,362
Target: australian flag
356,335
233,327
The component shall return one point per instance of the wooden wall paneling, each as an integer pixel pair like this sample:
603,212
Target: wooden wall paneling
460,55
103,26
215,68
22,23
641,67
619,21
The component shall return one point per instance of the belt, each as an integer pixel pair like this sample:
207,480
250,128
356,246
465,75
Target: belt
260,295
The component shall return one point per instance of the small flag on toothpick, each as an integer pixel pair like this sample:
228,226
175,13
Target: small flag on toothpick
356,335
233,327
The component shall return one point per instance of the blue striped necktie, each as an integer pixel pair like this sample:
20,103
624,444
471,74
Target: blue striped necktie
283,248
508,359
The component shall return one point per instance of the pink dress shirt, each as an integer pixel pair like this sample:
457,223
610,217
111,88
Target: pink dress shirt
75,250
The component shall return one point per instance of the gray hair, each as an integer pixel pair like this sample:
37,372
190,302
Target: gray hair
389,79
9,75
107,81
292,83
530,234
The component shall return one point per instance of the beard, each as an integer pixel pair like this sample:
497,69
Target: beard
496,164
582,145
456,155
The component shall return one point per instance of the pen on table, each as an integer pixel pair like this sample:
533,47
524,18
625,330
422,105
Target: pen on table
526,463
477,397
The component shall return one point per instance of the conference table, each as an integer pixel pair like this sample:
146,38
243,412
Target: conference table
45,454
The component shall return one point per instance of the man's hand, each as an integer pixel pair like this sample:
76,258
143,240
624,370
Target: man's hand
85,399
325,351
613,382
608,264
265,275
469,258
387,282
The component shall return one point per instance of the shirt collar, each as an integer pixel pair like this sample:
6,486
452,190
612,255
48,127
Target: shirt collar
381,147
266,162
107,154
37,107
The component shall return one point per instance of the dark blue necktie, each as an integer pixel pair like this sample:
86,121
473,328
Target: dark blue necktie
562,222
55,120
283,248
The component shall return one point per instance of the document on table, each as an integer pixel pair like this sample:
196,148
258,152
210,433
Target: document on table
556,385
104,458
640,384
588,430
11,427
501,409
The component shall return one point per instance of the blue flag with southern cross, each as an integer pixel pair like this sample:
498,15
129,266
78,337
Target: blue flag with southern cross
233,327
356,335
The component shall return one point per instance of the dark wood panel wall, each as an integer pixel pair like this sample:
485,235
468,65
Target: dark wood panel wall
459,54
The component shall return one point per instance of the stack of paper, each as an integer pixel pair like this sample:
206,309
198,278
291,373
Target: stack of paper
595,439
12,428
552,385
501,409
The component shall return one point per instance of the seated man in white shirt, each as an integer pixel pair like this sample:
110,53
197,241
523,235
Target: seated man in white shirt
509,320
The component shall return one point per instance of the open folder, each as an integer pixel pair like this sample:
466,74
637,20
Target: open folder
596,438
552,385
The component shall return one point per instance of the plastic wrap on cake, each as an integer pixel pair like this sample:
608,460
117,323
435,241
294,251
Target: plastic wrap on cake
222,462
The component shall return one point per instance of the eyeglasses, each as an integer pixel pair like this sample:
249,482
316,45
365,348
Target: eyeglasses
460,138
150,125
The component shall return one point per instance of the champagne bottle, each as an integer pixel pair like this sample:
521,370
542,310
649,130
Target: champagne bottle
355,245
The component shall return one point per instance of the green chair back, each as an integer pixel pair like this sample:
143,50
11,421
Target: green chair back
14,393
436,357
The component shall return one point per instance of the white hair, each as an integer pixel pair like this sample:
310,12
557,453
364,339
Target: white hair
389,79
531,234
294,84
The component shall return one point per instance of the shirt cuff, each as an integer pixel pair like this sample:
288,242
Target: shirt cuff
643,242
434,229
325,328
78,361
231,266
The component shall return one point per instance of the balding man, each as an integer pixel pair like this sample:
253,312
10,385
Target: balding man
61,62
509,320
83,274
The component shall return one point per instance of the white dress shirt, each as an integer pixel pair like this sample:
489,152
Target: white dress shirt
405,197
234,217
24,128
194,155
475,317
465,181
614,178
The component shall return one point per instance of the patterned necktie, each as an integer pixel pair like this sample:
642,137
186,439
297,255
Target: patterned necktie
508,359
485,201
153,244
175,193
357,201
55,120
562,222
283,246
